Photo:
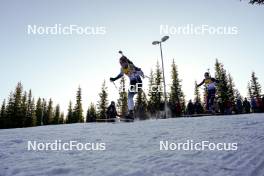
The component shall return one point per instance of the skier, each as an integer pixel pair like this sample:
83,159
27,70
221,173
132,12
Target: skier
239,106
134,74
190,108
198,108
111,111
246,105
210,84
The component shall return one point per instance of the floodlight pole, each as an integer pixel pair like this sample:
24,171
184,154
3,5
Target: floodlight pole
164,82
163,72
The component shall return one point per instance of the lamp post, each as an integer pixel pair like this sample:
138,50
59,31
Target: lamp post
163,39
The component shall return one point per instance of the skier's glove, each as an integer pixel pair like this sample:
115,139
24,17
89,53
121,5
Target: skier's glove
112,79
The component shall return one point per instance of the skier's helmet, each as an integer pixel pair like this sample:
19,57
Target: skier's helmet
206,74
123,61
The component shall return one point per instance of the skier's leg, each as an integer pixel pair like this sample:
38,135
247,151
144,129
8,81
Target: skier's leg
207,101
130,103
212,107
211,100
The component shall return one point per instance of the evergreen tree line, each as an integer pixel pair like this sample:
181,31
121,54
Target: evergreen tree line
20,110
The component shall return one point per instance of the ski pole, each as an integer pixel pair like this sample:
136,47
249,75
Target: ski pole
114,84
146,76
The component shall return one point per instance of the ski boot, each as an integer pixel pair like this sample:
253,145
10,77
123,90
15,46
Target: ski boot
130,116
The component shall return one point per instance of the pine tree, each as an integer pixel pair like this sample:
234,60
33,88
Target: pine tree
141,105
9,111
48,115
231,90
122,101
176,98
57,115
45,112
158,99
103,102
3,115
259,2
39,112
33,113
69,118
183,104
3,109
61,119
30,111
238,95
91,113
255,86
15,108
250,94
222,87
24,109
78,110
151,94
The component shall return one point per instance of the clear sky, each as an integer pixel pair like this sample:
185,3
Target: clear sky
55,65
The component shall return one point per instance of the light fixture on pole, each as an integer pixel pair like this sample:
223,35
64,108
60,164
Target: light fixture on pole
163,39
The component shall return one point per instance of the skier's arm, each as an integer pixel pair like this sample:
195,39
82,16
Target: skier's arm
215,80
117,77
200,84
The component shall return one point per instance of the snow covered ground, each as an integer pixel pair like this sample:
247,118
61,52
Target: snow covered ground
134,148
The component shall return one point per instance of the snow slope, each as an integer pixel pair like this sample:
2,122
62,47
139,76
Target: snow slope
134,148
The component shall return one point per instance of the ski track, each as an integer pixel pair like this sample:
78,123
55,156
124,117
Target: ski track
132,149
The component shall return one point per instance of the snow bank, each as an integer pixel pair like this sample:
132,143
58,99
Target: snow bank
134,148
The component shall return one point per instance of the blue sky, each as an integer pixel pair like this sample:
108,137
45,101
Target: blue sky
54,66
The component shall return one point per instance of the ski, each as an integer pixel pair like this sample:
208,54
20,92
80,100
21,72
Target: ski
201,115
126,119
107,120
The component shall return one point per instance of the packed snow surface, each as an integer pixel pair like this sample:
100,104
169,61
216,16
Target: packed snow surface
133,149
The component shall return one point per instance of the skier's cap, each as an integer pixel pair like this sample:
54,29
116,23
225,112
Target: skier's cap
206,74
123,59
